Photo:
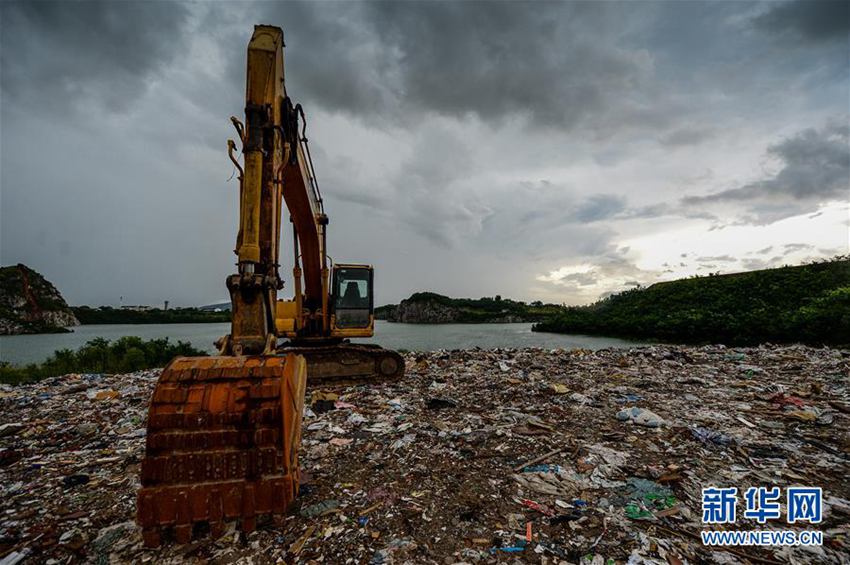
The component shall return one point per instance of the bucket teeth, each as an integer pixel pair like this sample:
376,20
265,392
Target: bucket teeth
222,444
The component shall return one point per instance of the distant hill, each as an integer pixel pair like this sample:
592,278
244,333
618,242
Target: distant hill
806,303
432,308
30,304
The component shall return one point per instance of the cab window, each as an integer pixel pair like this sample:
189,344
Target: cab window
353,296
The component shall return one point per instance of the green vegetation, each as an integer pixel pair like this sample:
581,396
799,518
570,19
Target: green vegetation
99,355
108,315
430,307
806,303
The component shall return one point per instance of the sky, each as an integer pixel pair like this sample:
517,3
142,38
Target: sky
555,151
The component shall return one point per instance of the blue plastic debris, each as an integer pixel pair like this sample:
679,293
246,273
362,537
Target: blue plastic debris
520,546
511,549
544,468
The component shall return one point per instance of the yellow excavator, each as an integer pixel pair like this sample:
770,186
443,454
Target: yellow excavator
223,432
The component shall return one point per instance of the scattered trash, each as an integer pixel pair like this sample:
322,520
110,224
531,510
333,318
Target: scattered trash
403,442
580,398
320,509
322,401
646,497
825,419
11,429
510,549
107,537
298,545
545,468
15,557
396,548
396,403
554,484
539,507
631,398
473,441
550,547
562,518
440,403
75,480
711,436
641,417
356,419
539,459
107,395
811,414
745,422
783,400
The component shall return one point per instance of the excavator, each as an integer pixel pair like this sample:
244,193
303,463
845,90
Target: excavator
223,431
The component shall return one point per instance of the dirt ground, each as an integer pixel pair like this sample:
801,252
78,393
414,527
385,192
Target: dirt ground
477,456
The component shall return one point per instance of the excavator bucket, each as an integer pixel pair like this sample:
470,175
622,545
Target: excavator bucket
222,444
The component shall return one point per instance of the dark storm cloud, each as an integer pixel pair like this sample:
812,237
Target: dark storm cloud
333,58
815,167
811,20
499,59
488,59
64,52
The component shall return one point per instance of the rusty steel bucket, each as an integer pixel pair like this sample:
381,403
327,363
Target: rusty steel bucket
222,444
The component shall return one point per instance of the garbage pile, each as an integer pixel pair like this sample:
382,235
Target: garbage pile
477,456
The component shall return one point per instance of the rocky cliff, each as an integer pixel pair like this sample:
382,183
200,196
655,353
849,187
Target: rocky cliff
31,304
426,312
432,308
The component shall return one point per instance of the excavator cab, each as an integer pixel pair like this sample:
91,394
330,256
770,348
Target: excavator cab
351,301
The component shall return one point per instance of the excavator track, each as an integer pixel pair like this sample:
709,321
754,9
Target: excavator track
222,444
348,364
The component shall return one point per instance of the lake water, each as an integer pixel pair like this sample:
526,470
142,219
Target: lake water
21,349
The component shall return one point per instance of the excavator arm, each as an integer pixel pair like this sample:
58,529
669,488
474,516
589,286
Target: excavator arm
277,164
